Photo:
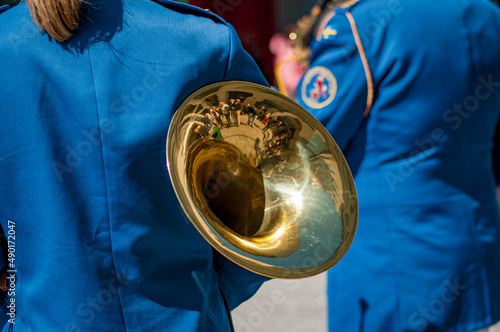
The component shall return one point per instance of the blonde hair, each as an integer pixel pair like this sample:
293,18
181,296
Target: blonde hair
59,18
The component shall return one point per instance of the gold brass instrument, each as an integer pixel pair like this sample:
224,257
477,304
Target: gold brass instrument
277,198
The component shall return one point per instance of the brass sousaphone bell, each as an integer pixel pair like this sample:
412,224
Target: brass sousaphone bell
274,196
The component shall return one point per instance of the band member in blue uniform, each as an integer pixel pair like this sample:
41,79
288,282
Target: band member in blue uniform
101,243
410,90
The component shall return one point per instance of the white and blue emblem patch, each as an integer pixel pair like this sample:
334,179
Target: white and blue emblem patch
319,87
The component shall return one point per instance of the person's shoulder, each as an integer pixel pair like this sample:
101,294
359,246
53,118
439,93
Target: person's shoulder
183,22
187,9
161,26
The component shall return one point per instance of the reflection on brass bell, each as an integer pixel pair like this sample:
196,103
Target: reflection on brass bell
276,195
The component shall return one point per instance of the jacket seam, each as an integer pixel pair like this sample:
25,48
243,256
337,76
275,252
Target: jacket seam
105,178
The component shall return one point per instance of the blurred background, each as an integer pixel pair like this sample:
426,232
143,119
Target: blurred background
256,21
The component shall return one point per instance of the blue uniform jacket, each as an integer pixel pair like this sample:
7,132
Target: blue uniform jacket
101,243
410,90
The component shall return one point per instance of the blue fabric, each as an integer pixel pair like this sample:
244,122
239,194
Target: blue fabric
102,243
426,252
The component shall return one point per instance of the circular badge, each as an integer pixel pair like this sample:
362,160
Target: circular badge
319,87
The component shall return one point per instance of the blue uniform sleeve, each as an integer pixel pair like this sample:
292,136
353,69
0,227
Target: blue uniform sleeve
236,283
337,88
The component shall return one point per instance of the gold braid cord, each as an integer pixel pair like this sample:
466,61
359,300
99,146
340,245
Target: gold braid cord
369,78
